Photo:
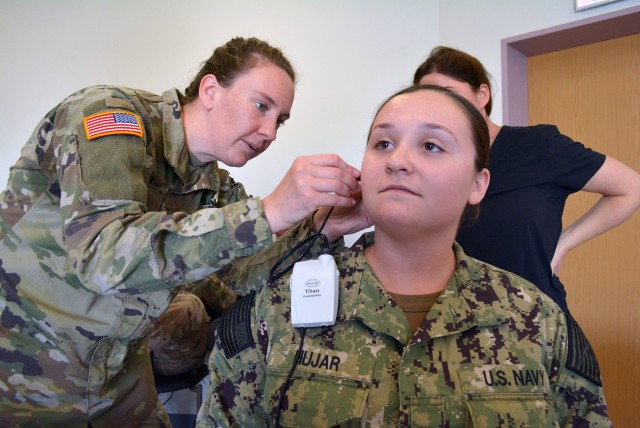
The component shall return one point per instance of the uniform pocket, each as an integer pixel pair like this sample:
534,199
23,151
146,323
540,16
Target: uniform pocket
316,400
508,395
328,387
429,411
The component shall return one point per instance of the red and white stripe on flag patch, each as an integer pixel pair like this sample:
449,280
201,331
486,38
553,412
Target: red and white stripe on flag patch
112,123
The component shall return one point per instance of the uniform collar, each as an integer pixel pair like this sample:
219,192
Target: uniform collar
175,148
468,301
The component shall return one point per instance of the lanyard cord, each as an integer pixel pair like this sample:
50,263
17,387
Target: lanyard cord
283,392
275,274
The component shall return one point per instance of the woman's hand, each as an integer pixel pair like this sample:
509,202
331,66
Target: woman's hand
312,182
343,220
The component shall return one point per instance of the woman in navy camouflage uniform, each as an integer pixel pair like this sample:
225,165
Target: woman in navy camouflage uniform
425,335
534,169
115,202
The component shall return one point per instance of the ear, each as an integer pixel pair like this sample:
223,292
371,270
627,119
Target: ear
483,95
479,188
207,93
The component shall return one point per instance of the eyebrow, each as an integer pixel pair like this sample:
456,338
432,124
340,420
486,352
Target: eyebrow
425,125
283,116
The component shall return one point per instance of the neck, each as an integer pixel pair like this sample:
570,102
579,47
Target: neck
187,122
190,122
412,266
493,130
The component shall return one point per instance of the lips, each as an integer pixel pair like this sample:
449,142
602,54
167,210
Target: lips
398,188
252,147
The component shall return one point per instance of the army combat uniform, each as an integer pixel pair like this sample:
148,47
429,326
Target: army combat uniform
104,215
490,353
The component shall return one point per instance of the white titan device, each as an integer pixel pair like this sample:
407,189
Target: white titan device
314,292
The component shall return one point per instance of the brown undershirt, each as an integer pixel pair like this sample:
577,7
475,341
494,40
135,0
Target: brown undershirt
415,307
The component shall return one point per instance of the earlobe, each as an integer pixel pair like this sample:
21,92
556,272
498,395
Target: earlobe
479,187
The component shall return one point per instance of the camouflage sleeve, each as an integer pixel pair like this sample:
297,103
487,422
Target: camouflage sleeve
579,401
112,243
213,292
230,191
237,369
251,273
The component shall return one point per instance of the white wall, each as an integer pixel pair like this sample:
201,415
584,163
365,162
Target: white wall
350,55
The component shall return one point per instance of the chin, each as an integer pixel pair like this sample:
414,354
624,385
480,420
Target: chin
235,163
394,218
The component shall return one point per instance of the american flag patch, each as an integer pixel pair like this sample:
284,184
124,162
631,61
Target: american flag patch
112,123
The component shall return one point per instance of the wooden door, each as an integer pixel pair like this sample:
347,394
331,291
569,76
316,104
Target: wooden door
592,93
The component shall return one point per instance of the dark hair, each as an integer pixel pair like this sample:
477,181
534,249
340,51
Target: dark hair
477,125
234,58
457,65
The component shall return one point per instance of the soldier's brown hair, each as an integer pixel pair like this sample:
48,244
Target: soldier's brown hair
234,58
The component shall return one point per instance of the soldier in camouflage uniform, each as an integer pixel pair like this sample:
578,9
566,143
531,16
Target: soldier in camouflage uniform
425,335
116,201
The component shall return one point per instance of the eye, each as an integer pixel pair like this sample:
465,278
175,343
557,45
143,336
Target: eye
382,145
261,106
280,123
432,147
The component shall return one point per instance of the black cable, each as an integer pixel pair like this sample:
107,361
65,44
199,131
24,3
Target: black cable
274,274
168,399
297,357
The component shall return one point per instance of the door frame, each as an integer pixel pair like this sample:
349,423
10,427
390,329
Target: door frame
517,49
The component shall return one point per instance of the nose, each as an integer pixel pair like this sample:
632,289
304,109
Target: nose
269,129
399,160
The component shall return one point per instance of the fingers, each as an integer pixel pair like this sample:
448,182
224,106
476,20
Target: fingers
323,199
343,221
330,160
311,182
327,173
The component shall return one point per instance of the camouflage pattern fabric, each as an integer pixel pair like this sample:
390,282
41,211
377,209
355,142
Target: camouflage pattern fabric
213,292
94,235
178,338
491,352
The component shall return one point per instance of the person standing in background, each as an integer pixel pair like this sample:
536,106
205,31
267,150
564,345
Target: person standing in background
533,171
117,201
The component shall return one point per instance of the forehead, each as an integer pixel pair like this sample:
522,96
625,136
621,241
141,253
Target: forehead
263,72
418,114
421,106
269,79
442,80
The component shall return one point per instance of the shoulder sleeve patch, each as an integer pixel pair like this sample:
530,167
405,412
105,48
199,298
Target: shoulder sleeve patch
234,329
581,358
112,123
